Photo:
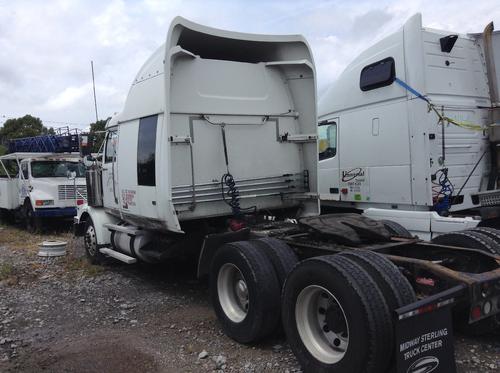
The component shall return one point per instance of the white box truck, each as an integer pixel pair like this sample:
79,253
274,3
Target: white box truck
407,132
39,186
215,154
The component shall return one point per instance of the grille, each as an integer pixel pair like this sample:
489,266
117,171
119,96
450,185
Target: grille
68,192
489,198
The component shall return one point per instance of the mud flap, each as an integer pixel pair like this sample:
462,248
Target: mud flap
424,334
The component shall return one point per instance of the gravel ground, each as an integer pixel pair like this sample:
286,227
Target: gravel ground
65,315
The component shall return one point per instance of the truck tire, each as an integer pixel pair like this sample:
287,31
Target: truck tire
245,292
466,239
281,256
492,233
396,289
336,292
396,229
493,246
479,241
90,243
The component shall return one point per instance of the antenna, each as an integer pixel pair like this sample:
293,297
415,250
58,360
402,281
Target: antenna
93,84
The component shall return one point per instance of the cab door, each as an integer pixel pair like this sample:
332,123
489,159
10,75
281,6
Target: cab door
329,170
24,181
110,171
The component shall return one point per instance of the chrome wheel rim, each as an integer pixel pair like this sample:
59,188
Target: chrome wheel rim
232,291
322,324
91,241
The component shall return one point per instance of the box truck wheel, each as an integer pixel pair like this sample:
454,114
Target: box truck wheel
336,318
90,243
245,292
33,223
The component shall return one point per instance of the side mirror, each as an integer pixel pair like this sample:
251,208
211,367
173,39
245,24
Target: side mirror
88,161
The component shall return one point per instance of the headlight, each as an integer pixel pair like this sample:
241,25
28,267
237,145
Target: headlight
44,202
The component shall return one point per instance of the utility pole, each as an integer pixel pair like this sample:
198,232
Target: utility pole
93,84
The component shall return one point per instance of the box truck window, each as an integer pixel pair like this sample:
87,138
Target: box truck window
378,74
111,144
146,147
56,169
327,140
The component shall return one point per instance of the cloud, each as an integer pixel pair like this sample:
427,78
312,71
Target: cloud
46,47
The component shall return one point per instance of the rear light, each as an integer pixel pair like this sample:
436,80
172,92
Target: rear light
475,313
79,202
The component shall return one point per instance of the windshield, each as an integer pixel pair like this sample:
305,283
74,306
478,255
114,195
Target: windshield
56,169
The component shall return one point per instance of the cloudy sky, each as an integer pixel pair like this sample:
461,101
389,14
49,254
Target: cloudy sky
46,46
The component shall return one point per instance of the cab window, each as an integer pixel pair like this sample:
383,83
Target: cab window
111,144
327,137
379,74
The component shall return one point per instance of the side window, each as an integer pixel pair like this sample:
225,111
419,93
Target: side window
327,135
24,169
111,144
378,74
146,147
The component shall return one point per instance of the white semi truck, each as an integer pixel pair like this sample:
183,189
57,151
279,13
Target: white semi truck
41,186
409,131
215,154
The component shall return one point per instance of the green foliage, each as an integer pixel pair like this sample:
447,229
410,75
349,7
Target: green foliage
3,149
98,136
26,126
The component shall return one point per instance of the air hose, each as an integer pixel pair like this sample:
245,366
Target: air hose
232,196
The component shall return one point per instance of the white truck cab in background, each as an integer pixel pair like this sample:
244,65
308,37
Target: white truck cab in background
383,148
41,185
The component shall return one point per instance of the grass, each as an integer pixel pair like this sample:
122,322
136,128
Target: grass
7,270
18,239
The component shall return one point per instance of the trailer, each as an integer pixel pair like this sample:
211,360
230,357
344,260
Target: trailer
215,155
423,106
43,179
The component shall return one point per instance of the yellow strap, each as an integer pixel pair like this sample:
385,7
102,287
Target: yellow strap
466,125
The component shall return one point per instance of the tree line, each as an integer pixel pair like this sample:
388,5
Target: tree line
28,126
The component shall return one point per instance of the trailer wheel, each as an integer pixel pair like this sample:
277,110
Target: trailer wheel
467,239
282,257
90,243
396,229
336,318
245,292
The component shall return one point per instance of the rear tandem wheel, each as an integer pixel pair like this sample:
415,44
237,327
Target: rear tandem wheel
336,318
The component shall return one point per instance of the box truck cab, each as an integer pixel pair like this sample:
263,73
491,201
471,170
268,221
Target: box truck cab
38,186
404,129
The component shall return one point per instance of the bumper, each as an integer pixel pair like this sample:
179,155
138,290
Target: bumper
55,212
